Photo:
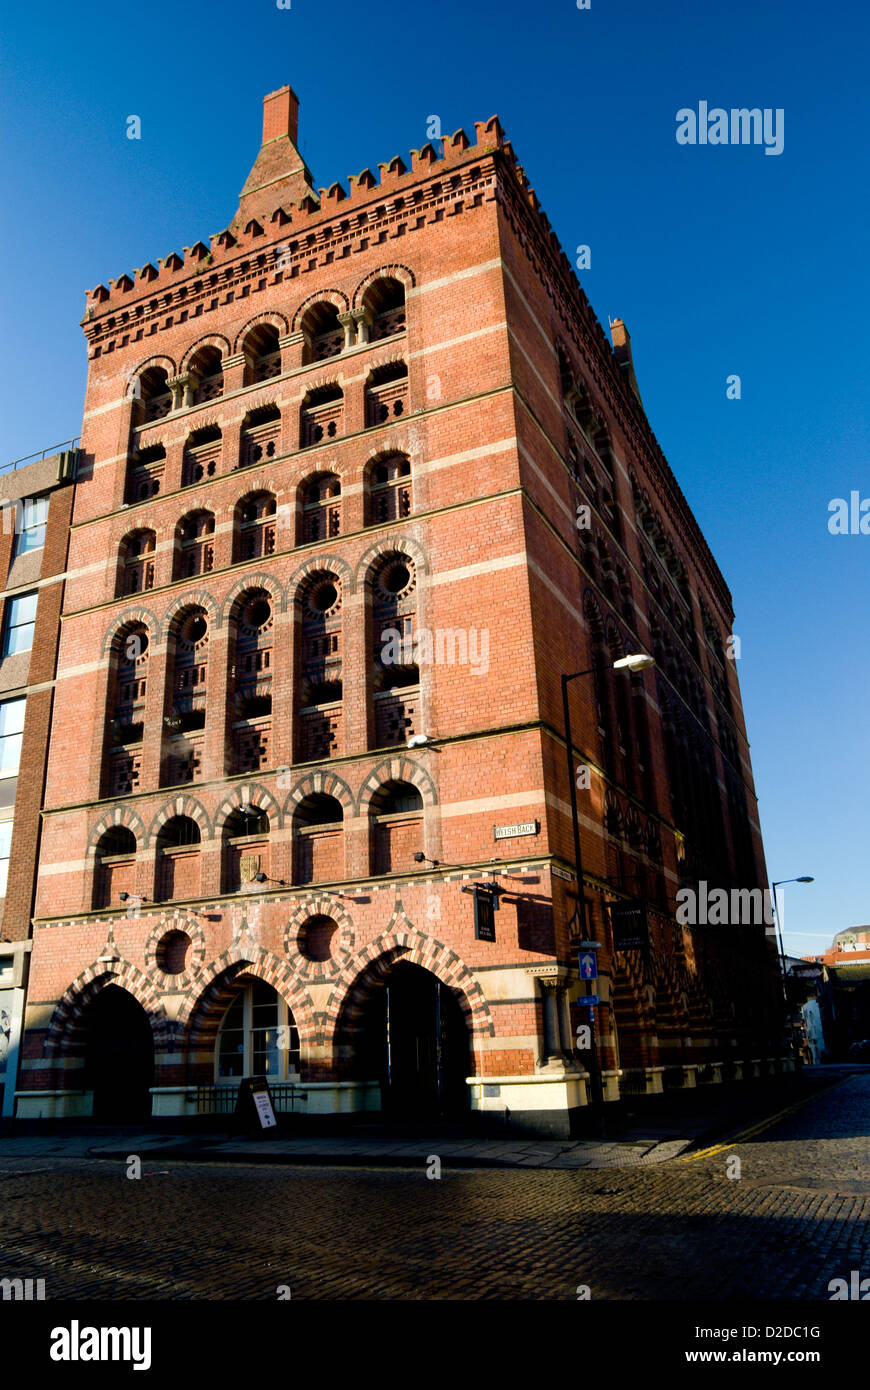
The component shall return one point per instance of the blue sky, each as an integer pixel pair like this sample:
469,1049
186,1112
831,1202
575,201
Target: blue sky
720,259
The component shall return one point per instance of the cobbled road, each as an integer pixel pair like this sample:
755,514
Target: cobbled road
795,1218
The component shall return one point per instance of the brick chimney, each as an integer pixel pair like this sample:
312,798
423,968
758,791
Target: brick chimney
280,114
622,352
280,176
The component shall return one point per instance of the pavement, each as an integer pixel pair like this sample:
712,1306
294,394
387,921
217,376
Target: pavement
676,1126
780,1210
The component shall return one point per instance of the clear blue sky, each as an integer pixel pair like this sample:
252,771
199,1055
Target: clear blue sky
720,259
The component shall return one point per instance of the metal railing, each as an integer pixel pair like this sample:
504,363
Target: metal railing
46,454
221,1100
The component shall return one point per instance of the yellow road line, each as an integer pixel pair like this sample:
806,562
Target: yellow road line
745,1134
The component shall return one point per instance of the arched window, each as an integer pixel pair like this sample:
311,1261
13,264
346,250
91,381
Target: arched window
152,396
145,474
251,692
189,681
261,436
321,507
396,676
202,454
114,866
318,840
128,683
194,552
396,819
245,848
137,562
319,710
385,301
254,529
178,859
207,373
322,416
248,1038
386,393
324,335
262,354
388,489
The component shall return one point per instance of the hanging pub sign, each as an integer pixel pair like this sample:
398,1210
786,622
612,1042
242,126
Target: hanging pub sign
485,907
630,926
254,1103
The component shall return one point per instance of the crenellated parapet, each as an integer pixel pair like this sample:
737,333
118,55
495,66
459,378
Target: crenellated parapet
310,216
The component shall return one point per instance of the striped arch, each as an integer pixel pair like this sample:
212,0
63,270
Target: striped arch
198,599
387,359
205,1003
614,637
249,794
402,273
274,319
397,768
369,969
145,616
593,614
166,363
216,340
320,784
396,544
329,378
65,1034
254,581
338,301
119,815
316,565
181,805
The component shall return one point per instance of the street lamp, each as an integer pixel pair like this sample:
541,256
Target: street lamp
636,661
804,878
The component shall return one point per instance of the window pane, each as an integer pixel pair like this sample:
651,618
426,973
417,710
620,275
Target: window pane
33,514
5,838
11,716
10,753
22,609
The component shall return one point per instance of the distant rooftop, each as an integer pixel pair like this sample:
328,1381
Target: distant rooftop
35,458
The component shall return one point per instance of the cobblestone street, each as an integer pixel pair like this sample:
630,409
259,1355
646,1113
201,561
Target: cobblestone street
796,1218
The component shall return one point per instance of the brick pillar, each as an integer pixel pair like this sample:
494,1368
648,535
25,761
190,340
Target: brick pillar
354,404
174,463
354,673
283,687
157,703
123,451
224,528
234,372
217,720
291,345
231,445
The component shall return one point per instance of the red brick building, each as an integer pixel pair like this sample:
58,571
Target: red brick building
328,560
35,511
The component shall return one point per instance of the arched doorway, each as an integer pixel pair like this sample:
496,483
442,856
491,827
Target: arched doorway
413,1038
119,1057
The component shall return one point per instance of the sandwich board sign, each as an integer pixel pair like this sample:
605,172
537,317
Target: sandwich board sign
254,1103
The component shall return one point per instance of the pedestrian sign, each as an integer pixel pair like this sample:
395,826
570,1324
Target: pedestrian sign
588,966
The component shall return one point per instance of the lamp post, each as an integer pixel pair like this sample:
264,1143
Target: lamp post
635,662
804,878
